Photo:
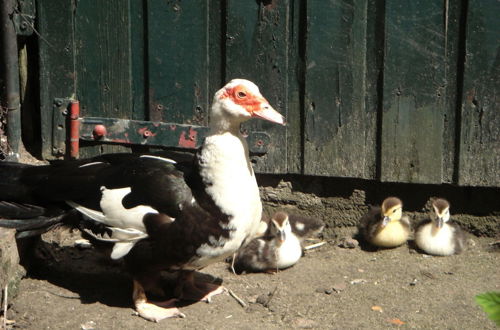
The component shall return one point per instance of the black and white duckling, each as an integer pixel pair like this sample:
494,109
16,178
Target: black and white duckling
303,227
278,248
386,226
440,235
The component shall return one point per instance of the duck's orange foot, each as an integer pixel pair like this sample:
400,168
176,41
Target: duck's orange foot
154,311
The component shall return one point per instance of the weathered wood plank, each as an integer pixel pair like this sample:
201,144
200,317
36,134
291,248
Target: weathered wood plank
103,63
340,126
414,80
178,61
57,75
480,127
296,63
138,59
257,49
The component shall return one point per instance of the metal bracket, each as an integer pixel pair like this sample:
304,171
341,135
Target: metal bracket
24,17
23,24
60,108
67,127
124,131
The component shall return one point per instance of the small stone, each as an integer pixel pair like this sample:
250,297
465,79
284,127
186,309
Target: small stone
304,323
262,299
90,325
348,243
414,282
320,290
339,287
329,291
358,281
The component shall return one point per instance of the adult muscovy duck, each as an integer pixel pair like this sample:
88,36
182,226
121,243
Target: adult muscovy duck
161,215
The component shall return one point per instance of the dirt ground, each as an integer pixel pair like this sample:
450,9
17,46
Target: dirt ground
330,287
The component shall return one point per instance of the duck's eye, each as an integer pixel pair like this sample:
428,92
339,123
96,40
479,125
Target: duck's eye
241,94
394,211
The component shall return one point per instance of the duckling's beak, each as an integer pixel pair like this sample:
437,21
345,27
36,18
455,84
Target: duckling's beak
281,236
385,221
440,222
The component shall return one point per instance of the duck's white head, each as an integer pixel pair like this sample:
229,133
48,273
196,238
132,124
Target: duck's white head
238,101
441,211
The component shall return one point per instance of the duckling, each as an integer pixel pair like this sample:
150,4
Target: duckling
278,248
302,227
440,235
385,226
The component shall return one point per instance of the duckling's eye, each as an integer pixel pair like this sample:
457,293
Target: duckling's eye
241,94
394,211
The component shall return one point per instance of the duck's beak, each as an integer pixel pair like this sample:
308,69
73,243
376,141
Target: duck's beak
439,222
385,221
281,236
266,112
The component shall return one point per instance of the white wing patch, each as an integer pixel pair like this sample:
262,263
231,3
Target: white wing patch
300,226
93,214
168,160
90,164
126,225
121,249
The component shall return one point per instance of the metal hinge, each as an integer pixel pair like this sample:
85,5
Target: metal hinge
24,18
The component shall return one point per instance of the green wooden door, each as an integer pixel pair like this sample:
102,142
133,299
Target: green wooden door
401,91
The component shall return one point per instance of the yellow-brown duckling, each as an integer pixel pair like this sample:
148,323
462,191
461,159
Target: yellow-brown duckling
386,226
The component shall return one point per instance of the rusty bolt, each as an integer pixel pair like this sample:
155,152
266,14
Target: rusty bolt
147,133
99,131
259,143
159,107
58,103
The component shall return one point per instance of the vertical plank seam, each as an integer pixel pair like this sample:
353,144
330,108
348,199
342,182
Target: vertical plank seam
287,85
461,54
302,50
147,96
380,59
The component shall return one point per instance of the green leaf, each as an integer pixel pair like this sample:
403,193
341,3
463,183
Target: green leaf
490,302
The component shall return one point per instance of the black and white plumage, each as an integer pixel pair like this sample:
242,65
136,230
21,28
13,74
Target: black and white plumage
440,235
278,248
160,214
385,226
303,227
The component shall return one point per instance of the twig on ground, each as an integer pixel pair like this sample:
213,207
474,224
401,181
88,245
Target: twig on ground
314,246
271,296
238,299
